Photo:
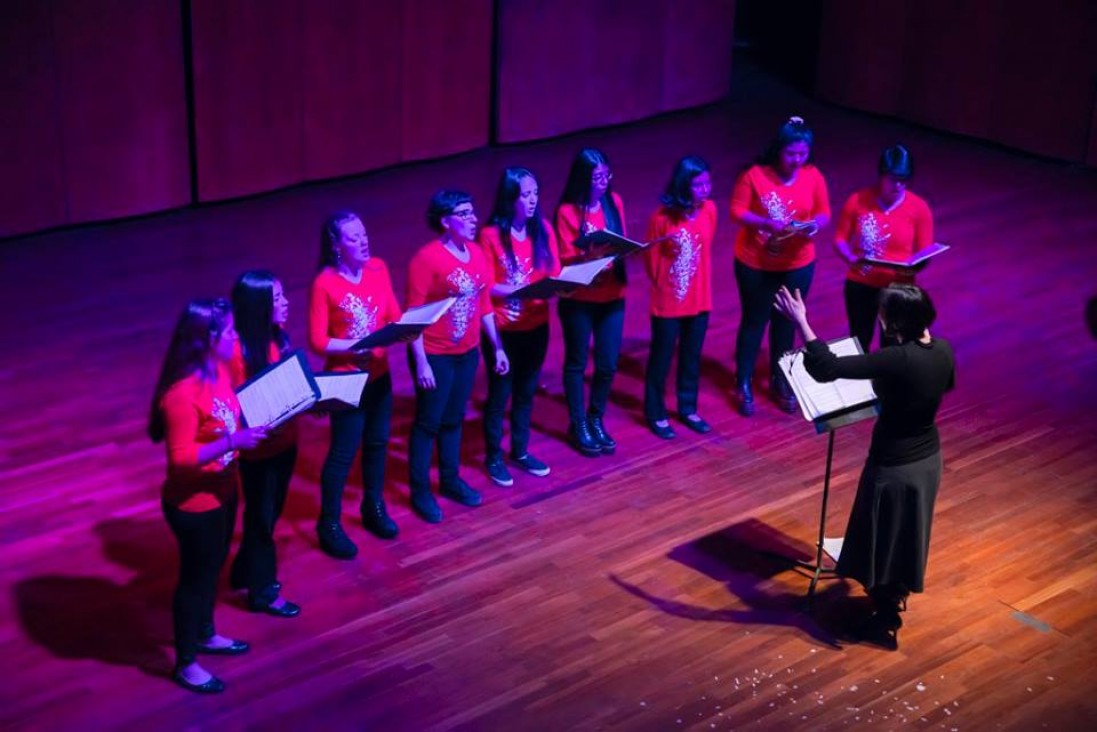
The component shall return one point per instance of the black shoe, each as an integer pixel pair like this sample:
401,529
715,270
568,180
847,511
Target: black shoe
695,423
288,610
598,431
236,648
583,440
462,493
881,630
745,396
375,517
212,686
666,432
783,397
425,507
334,541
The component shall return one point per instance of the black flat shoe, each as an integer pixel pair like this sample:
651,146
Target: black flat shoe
664,433
696,424
238,647
745,396
213,686
288,610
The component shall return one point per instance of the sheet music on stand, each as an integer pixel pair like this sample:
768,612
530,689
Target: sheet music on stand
570,277
279,392
413,322
819,400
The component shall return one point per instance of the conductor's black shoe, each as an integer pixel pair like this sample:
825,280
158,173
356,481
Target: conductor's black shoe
695,423
425,506
583,440
462,493
376,520
213,685
334,541
666,432
598,431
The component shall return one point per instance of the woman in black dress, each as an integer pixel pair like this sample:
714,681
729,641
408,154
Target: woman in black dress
887,540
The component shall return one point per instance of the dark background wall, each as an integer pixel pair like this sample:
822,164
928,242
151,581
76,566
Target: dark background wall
112,108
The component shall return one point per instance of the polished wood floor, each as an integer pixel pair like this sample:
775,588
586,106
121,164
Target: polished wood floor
632,592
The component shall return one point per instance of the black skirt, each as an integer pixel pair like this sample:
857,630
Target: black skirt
887,540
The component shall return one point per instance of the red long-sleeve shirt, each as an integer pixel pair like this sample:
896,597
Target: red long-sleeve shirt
896,233
512,313
339,308
606,286
762,192
680,268
435,274
282,438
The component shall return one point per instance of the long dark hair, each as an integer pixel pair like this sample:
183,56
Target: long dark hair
253,310
198,326
793,130
330,233
677,198
907,310
577,193
502,217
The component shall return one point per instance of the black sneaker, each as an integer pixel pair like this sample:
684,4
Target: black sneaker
334,541
461,492
375,517
499,473
532,465
425,507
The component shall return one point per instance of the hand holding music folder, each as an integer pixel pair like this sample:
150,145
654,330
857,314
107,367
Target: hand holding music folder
822,400
413,322
285,389
914,260
569,278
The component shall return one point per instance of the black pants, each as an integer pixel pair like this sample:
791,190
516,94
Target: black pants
526,350
366,427
204,539
439,416
605,321
689,333
757,290
862,309
266,483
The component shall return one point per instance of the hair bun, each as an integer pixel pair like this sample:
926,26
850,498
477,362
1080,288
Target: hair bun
794,120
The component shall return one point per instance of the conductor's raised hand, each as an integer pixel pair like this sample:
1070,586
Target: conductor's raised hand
791,305
502,363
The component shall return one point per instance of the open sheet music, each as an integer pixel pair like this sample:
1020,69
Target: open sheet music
278,392
607,244
570,277
413,322
917,258
820,400
340,390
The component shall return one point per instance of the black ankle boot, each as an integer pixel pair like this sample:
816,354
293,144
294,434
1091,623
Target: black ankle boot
581,438
375,517
783,396
745,396
598,431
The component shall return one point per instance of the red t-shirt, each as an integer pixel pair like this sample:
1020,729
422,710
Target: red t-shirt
762,192
512,313
680,268
198,412
435,274
897,233
339,308
282,438
606,286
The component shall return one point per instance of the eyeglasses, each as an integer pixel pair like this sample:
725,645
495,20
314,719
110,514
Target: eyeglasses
465,214
601,177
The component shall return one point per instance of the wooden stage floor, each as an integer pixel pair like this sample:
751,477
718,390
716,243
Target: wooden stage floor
632,592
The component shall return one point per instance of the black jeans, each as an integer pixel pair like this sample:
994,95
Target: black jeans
862,309
526,350
265,485
204,539
605,321
689,333
757,290
367,427
439,416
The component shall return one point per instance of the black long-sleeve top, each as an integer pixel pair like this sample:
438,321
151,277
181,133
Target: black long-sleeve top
910,380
